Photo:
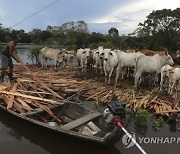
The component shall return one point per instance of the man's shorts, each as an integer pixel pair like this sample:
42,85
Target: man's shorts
6,62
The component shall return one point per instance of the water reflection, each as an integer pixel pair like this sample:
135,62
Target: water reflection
141,129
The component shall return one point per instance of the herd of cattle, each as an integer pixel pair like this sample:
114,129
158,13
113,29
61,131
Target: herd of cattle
139,65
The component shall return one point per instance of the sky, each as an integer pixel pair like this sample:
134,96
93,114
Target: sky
100,15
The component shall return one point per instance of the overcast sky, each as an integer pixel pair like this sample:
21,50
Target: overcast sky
100,15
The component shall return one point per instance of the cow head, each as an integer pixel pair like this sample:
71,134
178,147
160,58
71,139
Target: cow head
101,54
61,55
87,52
107,54
97,52
168,59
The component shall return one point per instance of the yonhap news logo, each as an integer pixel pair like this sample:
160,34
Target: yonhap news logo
127,140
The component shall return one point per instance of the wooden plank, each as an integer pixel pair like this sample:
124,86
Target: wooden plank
31,97
11,99
80,121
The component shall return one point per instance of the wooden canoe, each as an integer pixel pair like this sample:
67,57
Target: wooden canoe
74,120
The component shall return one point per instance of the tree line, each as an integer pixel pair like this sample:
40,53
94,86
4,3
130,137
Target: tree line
160,30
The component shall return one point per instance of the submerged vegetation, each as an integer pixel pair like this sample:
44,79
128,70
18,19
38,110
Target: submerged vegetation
33,53
157,123
142,117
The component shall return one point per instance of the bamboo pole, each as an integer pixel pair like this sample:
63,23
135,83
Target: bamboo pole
159,112
31,97
34,92
96,94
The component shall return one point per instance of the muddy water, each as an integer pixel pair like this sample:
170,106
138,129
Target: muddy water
19,137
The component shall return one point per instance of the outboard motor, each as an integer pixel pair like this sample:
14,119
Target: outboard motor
117,107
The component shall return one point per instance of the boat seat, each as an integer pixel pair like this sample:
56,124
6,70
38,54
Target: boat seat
80,121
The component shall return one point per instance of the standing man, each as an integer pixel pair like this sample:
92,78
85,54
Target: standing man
6,61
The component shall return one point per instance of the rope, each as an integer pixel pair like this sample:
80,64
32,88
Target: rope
34,14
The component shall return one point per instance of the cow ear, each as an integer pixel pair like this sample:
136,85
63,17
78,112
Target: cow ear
166,52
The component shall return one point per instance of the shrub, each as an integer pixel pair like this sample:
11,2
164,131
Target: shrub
33,53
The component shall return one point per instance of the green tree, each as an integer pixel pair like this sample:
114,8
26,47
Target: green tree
113,32
35,35
81,26
164,28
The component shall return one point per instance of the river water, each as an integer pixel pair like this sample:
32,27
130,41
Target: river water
19,137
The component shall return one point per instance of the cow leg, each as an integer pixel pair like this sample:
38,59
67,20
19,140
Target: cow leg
79,62
137,80
43,61
82,65
101,70
85,68
118,70
96,67
166,82
161,82
172,87
55,63
106,75
156,79
178,85
109,77
123,72
46,63
101,66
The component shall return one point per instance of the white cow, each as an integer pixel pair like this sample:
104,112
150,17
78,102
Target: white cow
82,56
126,61
150,64
174,79
68,57
53,54
110,62
164,76
98,58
